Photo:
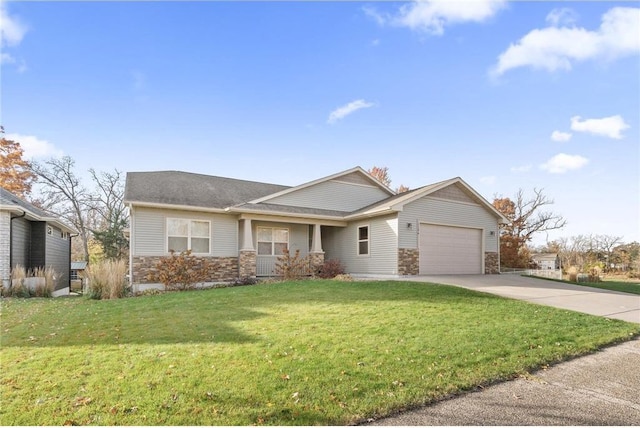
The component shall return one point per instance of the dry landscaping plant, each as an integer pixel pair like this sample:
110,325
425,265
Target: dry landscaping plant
330,269
181,271
292,267
107,279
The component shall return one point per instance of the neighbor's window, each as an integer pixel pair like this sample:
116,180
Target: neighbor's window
363,240
272,241
184,234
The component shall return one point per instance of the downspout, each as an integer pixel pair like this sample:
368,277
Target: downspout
131,238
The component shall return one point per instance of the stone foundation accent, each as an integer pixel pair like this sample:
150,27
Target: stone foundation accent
315,261
491,263
222,269
247,264
408,261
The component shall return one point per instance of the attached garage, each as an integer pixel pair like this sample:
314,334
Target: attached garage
450,250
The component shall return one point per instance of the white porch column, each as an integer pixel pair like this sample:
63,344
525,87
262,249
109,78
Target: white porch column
316,243
247,235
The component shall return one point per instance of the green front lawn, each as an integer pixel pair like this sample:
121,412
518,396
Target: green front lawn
296,353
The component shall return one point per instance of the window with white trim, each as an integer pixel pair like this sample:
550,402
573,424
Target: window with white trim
272,241
184,234
363,240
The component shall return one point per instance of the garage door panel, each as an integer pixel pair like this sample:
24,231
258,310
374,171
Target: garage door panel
450,250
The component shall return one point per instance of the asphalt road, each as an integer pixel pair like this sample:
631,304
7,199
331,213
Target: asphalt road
599,389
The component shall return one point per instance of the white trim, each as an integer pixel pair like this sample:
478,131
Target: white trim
368,240
189,236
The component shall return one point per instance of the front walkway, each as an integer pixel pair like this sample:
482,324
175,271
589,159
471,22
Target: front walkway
594,301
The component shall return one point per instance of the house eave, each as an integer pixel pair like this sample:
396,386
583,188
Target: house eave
135,204
250,214
374,213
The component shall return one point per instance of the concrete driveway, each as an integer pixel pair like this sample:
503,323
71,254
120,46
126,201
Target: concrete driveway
594,301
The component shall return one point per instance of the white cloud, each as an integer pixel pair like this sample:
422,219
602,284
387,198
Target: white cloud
489,179
557,48
431,16
522,168
11,29
561,163
562,17
560,136
34,147
345,110
12,32
611,126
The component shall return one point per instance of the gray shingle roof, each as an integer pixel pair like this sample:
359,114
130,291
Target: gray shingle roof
293,210
8,198
194,190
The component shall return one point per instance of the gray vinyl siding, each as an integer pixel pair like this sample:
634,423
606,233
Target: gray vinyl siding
20,242
57,256
149,227
446,212
342,243
38,244
332,195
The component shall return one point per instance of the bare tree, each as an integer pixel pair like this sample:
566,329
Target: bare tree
526,218
63,193
108,204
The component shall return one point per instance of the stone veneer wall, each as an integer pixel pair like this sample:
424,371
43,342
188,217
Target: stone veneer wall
408,261
315,261
247,264
491,263
223,269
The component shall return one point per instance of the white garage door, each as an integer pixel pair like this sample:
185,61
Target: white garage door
450,250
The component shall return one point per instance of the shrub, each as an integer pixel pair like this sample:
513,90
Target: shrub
343,277
107,280
573,273
292,267
45,287
18,287
330,269
181,271
247,280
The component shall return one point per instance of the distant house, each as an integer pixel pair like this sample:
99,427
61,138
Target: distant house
546,261
33,238
243,226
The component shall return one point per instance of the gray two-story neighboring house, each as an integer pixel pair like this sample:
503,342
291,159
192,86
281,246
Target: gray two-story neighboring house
33,238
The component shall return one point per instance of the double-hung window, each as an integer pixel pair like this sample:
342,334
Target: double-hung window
184,234
363,240
272,241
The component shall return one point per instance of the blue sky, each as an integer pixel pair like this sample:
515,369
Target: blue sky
506,95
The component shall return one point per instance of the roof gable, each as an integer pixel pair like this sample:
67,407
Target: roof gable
355,175
453,189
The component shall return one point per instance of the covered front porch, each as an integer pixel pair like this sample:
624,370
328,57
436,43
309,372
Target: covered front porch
265,238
